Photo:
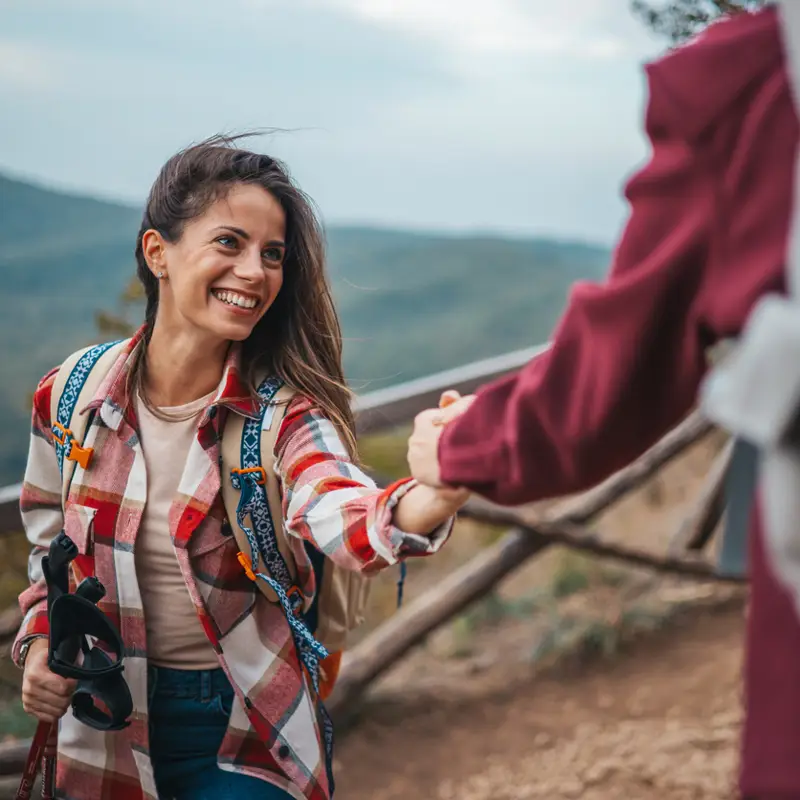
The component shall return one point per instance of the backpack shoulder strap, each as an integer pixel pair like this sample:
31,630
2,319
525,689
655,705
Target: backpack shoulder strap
254,519
270,427
253,442
76,382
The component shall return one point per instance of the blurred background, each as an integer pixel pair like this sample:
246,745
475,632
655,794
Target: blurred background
468,160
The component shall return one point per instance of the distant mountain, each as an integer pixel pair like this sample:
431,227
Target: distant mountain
410,303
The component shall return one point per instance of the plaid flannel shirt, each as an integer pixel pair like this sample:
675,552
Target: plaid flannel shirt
274,731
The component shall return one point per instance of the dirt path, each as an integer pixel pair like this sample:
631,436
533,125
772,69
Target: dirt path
659,721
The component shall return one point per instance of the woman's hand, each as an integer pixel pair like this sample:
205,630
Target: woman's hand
423,445
45,695
425,508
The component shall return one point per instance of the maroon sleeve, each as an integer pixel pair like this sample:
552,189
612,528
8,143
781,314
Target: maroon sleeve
626,358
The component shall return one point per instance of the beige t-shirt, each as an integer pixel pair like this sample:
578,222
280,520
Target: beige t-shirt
175,637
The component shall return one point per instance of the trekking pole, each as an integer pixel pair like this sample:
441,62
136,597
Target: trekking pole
42,753
44,747
34,761
74,619
49,764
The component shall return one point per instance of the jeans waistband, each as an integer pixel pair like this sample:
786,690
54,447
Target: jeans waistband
200,683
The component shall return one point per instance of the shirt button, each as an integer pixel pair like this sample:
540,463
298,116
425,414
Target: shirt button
248,703
283,751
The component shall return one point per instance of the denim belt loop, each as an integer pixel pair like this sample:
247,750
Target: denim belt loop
152,683
206,685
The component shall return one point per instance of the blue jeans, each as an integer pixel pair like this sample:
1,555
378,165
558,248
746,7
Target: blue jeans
189,713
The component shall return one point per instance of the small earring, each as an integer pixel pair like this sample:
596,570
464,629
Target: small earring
160,275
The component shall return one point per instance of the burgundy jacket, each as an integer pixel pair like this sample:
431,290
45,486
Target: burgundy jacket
706,237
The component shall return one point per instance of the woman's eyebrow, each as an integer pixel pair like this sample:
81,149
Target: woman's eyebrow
232,229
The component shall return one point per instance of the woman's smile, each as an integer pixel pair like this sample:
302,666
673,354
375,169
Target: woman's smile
236,302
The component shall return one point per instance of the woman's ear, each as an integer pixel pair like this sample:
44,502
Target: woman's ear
154,251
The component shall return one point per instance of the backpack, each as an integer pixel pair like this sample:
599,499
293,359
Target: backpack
755,394
251,494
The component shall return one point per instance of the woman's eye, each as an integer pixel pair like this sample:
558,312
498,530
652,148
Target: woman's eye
226,241
274,254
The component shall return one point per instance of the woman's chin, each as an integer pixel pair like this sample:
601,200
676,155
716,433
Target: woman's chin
233,333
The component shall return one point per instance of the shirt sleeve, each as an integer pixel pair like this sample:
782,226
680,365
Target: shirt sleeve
329,500
627,357
42,515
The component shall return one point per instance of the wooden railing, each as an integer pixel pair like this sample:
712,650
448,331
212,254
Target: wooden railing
528,536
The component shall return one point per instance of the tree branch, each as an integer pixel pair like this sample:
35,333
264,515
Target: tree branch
698,527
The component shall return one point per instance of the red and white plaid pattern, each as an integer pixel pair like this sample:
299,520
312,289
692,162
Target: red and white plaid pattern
273,731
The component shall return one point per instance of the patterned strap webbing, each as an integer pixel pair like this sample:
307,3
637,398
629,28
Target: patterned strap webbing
69,398
250,482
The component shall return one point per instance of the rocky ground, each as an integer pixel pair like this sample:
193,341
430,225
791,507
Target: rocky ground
659,720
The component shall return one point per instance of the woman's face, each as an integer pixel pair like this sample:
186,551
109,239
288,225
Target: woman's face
227,268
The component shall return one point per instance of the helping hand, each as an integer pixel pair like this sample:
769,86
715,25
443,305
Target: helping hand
423,445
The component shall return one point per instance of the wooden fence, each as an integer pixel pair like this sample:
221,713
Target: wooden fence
527,535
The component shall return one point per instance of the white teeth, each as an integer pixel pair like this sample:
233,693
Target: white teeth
233,299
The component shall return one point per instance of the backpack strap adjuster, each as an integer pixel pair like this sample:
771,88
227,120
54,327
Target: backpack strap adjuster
294,595
260,472
66,434
74,452
246,565
295,599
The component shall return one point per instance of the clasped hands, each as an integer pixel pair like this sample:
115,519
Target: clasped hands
423,445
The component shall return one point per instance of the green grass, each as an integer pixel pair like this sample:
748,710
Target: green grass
575,572
14,722
14,550
493,610
384,454
570,580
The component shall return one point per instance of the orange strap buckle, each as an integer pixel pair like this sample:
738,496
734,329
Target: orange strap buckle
295,590
260,471
246,565
66,433
82,455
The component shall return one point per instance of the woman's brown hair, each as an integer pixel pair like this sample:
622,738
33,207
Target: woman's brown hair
299,339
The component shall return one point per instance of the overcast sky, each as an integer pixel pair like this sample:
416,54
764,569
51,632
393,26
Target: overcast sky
508,115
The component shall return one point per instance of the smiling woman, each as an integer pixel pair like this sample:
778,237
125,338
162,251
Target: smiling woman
226,683
221,276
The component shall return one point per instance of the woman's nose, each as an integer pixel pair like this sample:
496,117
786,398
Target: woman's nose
249,267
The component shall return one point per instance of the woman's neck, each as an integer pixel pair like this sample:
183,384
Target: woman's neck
181,368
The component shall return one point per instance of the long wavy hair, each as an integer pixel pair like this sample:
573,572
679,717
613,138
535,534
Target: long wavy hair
299,339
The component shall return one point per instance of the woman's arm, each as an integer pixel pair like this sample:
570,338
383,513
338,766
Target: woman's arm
331,502
42,515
